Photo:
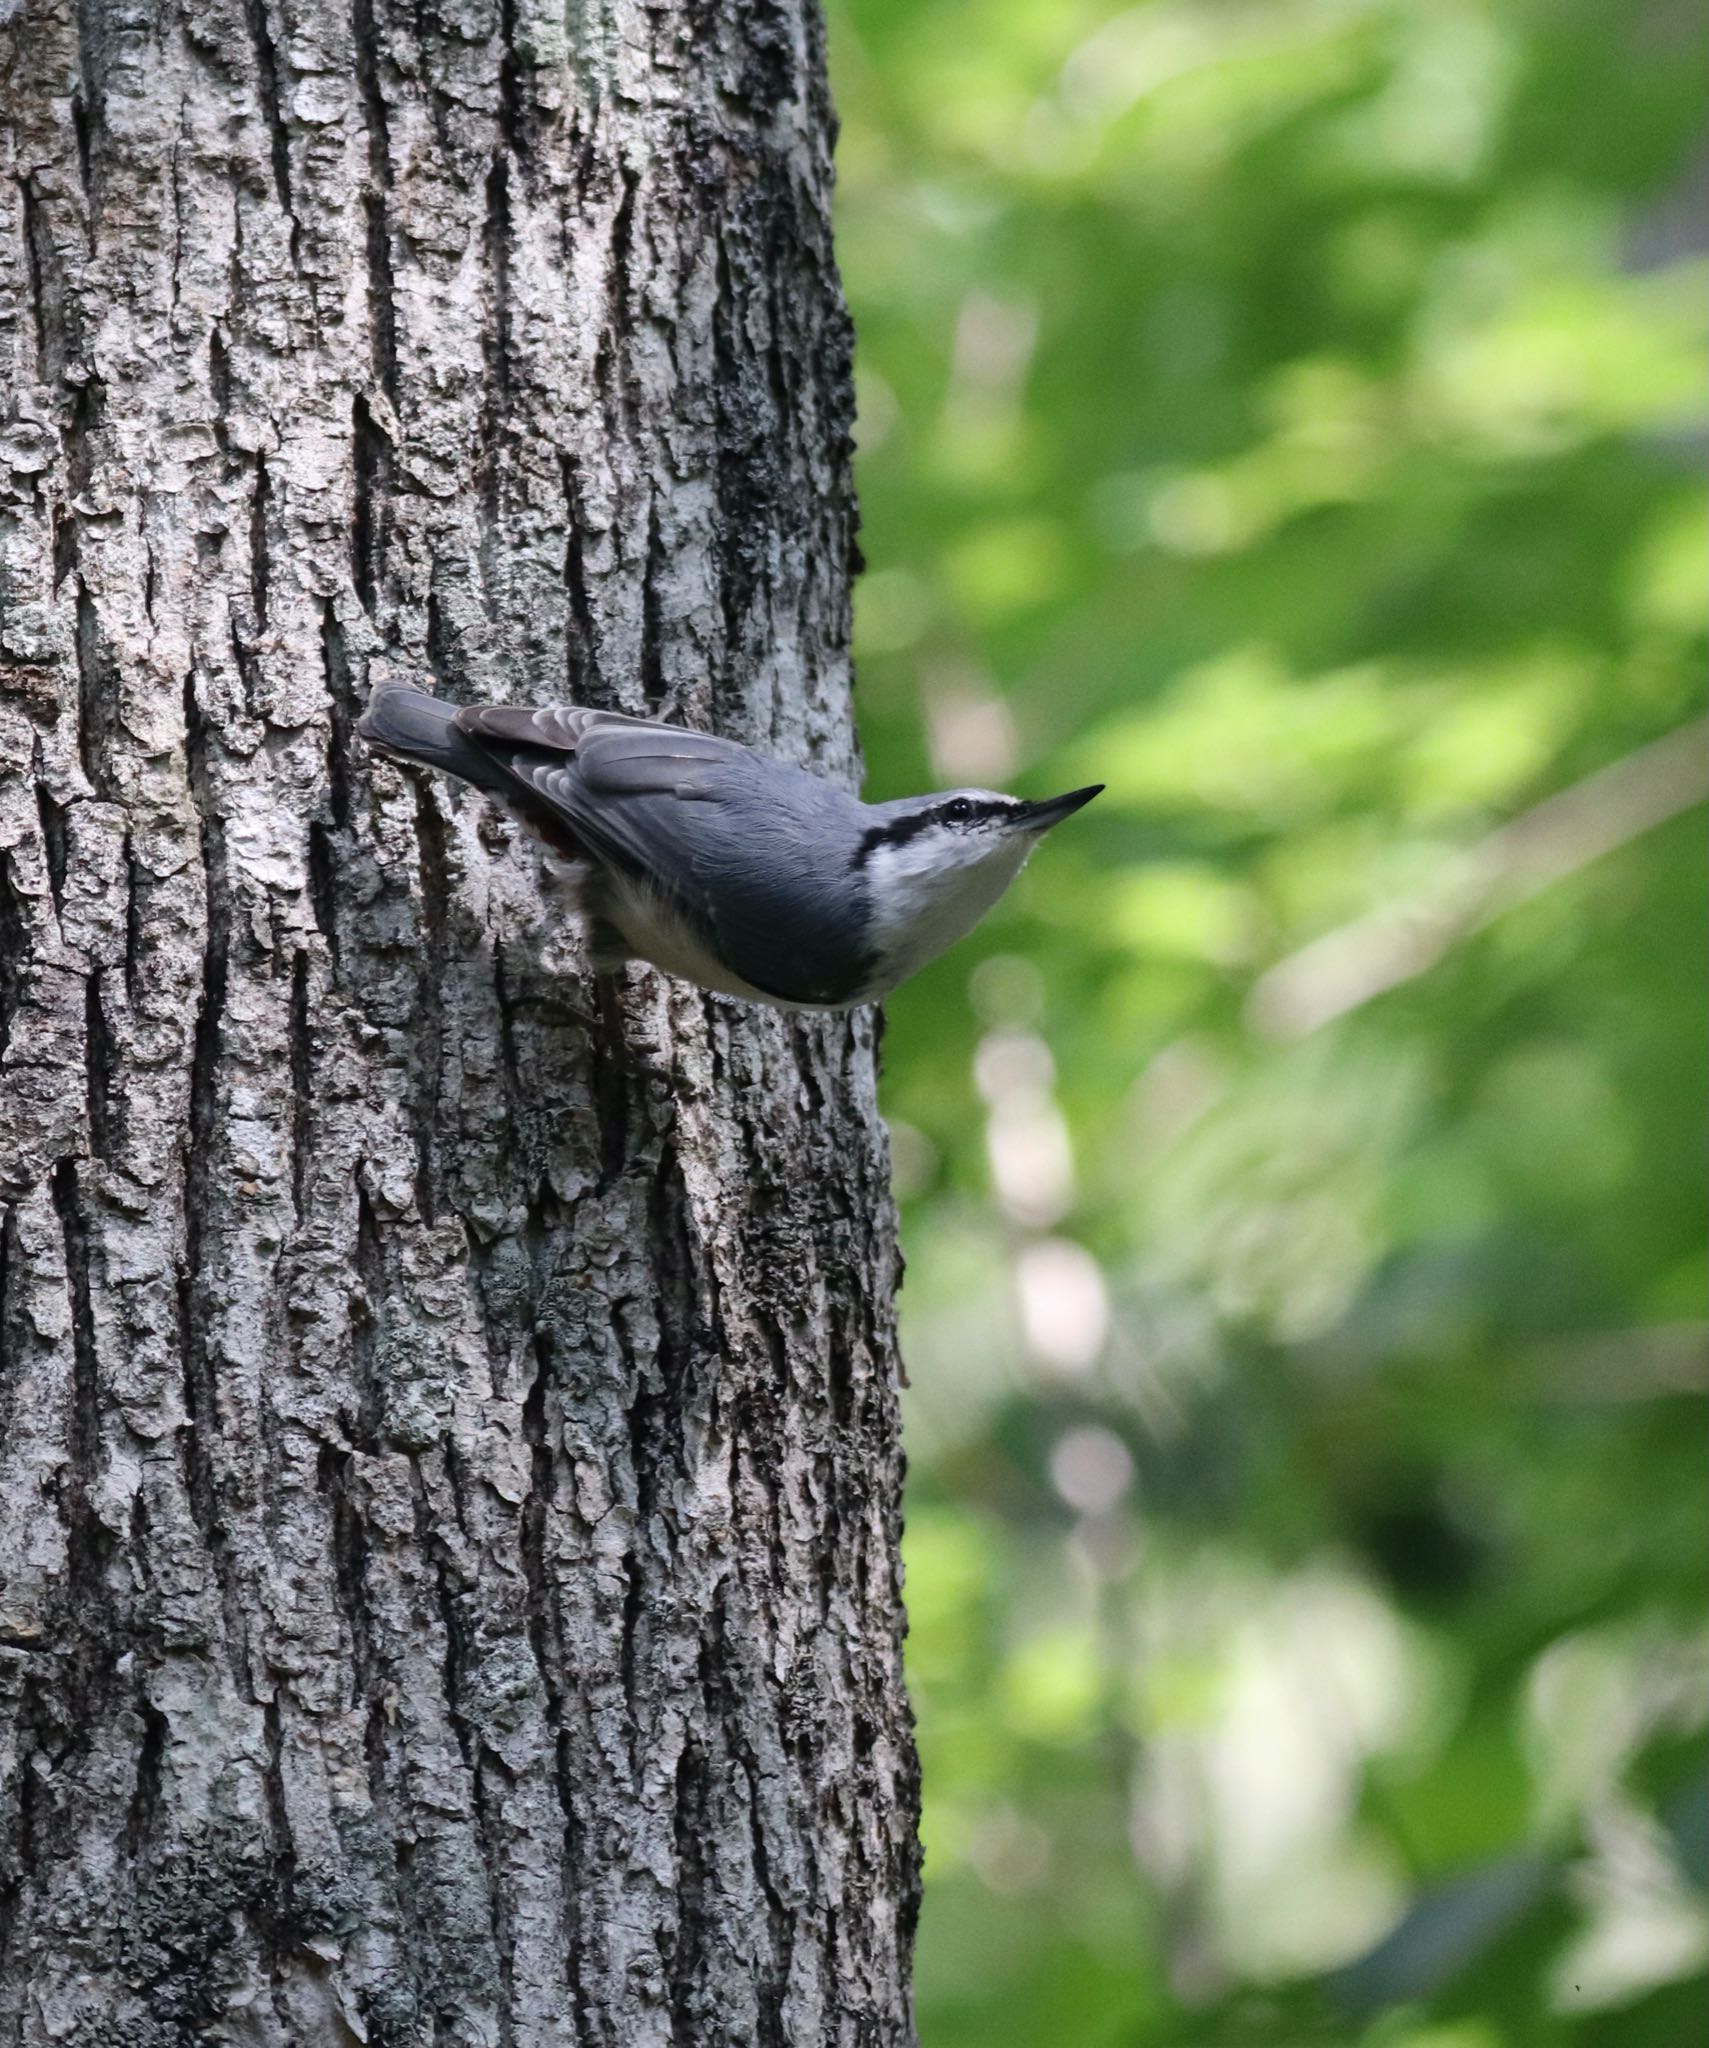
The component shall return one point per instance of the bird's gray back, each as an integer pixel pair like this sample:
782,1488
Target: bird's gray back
758,855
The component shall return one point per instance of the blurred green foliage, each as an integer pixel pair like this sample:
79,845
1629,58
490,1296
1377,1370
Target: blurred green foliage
1288,412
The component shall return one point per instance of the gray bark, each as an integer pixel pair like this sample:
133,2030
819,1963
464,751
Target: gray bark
448,1457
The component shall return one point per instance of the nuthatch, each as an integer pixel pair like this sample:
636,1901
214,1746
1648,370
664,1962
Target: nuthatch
734,872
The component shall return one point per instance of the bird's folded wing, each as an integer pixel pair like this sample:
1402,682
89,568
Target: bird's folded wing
590,767
735,844
638,795
568,728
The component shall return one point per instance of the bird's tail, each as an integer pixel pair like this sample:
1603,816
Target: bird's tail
409,725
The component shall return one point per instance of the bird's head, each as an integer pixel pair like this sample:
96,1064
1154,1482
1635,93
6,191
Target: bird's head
934,865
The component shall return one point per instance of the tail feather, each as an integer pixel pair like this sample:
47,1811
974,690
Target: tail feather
412,726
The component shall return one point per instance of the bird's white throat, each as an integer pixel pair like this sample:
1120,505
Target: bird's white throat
931,890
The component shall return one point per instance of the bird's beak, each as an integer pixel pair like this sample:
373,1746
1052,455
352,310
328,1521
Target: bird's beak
1052,810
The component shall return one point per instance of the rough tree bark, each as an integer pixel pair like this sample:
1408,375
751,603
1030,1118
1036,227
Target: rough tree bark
448,1463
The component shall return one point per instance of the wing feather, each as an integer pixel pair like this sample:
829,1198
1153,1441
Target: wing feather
554,728
751,854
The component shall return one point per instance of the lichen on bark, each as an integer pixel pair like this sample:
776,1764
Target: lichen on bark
448,1442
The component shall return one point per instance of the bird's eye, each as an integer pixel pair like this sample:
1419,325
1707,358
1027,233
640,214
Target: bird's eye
957,811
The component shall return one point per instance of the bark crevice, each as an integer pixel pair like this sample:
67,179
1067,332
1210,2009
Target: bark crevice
272,112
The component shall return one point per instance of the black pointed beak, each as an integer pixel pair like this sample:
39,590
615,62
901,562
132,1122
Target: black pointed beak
1052,810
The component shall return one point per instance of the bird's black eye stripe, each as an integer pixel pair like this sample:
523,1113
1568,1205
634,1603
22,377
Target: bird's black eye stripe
955,810
972,810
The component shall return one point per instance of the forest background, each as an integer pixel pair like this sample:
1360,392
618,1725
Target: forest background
1291,414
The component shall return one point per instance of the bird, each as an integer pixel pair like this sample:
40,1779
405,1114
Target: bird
746,876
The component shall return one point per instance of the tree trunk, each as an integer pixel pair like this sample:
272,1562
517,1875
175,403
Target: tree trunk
448,1456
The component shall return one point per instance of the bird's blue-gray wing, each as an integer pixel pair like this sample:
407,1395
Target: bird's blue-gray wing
565,728
755,854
